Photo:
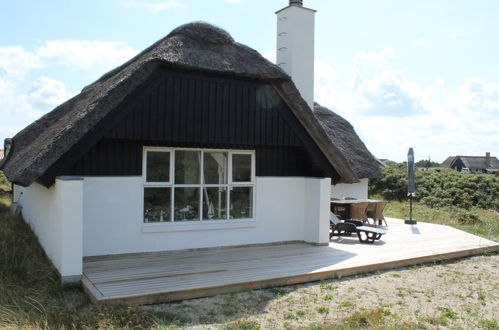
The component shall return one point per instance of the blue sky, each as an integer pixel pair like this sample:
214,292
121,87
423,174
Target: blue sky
422,74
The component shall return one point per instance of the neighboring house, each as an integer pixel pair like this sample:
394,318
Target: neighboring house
196,142
475,164
1,154
363,163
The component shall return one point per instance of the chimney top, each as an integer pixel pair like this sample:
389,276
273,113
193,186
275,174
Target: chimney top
296,2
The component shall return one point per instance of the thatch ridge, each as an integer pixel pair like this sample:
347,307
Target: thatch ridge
194,46
342,135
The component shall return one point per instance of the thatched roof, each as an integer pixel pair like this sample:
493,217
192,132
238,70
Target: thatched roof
448,161
342,135
473,162
195,46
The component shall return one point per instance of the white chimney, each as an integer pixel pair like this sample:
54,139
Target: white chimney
487,159
295,46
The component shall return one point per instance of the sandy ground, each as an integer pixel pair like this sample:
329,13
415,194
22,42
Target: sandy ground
458,294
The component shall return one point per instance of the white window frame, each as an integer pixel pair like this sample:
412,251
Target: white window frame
144,167
172,185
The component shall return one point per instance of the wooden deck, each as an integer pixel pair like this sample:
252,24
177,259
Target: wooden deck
168,276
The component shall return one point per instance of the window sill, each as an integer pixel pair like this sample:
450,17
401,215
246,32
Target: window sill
198,226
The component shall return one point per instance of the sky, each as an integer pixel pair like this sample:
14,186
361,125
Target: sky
421,74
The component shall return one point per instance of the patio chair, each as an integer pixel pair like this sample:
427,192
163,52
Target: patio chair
339,210
377,213
358,211
366,234
339,227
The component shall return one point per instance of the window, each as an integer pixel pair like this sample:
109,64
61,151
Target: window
184,185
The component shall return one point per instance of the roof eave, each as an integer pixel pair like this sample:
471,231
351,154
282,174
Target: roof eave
307,119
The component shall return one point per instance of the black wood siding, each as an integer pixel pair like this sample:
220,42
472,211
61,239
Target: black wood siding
180,109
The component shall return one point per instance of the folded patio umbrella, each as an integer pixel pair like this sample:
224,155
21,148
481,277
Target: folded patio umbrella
411,184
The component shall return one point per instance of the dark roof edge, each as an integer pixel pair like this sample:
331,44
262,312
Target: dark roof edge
313,128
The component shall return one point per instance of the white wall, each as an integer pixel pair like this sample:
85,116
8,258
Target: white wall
316,224
287,209
55,215
357,190
295,48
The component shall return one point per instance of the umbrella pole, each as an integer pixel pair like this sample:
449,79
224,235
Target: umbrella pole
410,221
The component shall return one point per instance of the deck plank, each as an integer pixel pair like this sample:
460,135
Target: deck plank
176,275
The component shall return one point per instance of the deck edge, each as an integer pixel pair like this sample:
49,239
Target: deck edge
166,297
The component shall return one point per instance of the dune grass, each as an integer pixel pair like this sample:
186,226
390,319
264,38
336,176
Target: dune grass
476,221
32,297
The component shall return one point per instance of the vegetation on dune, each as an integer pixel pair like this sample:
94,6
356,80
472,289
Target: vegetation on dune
439,188
469,202
426,163
482,222
4,183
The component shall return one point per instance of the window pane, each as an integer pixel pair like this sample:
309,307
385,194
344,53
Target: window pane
241,168
158,166
186,204
241,202
215,167
187,166
157,204
215,203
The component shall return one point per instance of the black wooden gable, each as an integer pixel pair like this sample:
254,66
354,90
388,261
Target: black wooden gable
188,109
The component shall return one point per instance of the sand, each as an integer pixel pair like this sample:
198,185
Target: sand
458,294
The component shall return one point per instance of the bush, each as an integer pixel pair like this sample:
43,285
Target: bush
4,183
439,188
393,184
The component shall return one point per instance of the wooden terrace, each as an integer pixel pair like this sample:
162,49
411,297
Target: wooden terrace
176,275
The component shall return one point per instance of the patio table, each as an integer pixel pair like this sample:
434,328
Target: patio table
358,209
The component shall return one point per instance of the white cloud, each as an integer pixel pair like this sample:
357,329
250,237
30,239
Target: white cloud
456,35
326,88
18,110
95,57
391,112
368,65
16,62
43,95
46,93
390,93
154,5
418,43
21,104
478,96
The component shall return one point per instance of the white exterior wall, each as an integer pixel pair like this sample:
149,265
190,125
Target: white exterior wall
295,48
316,222
357,190
55,215
287,209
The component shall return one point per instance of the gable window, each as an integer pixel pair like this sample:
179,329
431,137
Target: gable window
184,185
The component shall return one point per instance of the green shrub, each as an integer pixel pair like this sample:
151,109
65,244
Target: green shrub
393,184
4,183
437,188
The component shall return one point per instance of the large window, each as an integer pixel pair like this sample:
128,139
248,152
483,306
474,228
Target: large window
182,185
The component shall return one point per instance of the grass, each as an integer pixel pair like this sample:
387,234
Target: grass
486,225
32,297
373,319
